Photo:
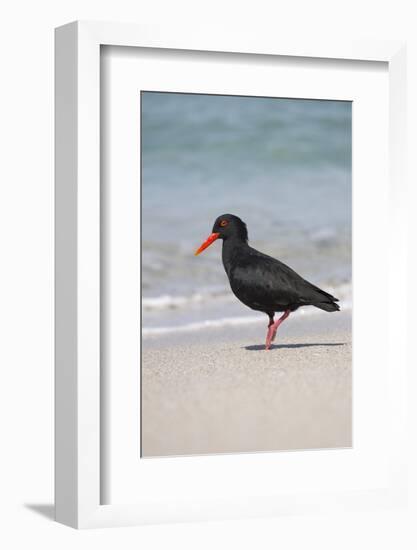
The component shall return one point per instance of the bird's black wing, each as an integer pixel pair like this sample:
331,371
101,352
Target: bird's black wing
264,283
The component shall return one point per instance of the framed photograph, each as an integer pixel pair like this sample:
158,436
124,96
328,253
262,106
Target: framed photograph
228,213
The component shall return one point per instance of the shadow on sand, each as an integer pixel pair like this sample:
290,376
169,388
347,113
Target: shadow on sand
259,347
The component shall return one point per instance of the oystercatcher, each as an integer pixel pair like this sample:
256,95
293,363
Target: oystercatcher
261,282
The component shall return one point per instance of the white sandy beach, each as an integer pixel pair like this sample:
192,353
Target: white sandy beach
219,391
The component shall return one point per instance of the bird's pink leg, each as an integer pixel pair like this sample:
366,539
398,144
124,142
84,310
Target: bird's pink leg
272,329
269,333
278,322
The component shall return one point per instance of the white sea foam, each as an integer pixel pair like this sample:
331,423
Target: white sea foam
167,301
230,321
209,323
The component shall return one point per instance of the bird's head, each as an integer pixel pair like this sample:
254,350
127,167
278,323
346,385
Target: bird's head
226,227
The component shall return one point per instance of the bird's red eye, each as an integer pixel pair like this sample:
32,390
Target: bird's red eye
223,223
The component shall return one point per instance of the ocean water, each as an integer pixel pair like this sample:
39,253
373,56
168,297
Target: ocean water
282,165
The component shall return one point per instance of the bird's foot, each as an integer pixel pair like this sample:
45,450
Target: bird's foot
269,337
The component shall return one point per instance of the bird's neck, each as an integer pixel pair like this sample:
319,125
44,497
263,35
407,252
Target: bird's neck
232,247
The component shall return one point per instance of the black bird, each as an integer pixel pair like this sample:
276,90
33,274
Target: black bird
261,282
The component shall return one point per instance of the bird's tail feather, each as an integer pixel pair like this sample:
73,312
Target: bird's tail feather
327,306
324,294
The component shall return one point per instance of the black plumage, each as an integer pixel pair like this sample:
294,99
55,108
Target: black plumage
260,281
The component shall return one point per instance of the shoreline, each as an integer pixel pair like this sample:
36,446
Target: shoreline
218,391
252,326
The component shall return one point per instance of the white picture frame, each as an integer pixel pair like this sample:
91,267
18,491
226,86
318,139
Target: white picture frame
78,411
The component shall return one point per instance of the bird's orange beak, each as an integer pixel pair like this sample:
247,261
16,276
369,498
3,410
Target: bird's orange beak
210,240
